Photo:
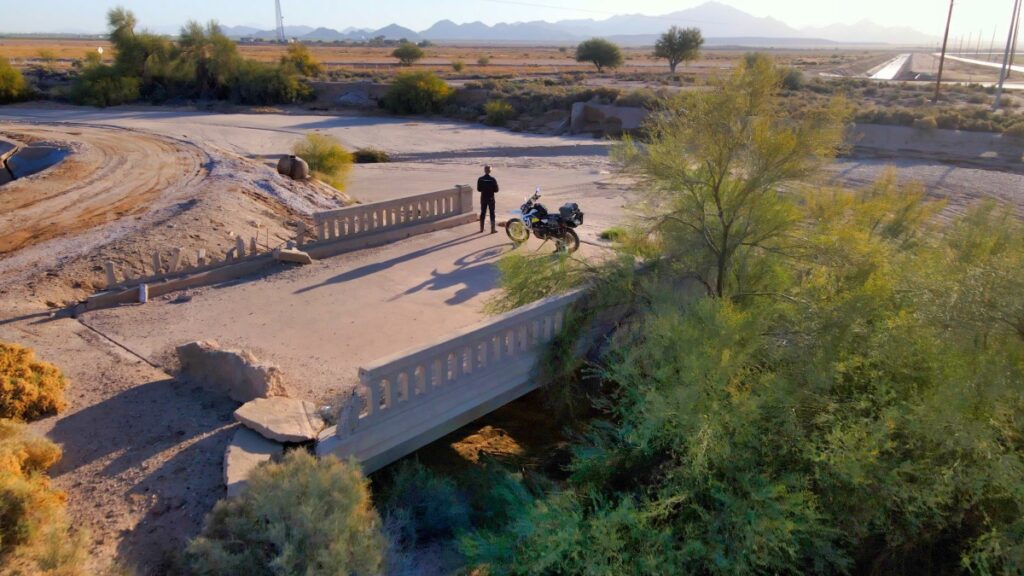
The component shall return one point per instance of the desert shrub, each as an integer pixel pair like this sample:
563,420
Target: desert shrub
483,61
370,156
614,234
417,93
499,112
12,84
792,79
458,65
420,506
34,533
328,160
257,83
301,59
29,389
1015,131
927,123
302,516
407,53
103,86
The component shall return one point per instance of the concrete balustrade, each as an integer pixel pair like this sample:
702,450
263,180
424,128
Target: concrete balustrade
413,398
338,232
382,216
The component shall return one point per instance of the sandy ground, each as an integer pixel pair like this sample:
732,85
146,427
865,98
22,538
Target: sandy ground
143,451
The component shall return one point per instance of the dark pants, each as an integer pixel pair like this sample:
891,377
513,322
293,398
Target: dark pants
486,203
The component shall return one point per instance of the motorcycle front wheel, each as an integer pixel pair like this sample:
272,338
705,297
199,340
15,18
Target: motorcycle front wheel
570,242
516,231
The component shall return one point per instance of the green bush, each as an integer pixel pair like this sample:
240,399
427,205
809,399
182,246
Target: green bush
421,507
12,84
927,123
299,517
458,65
370,156
417,93
1015,131
407,53
792,79
499,112
262,84
599,52
103,86
483,61
328,160
301,59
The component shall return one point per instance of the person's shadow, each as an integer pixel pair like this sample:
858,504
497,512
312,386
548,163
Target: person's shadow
475,273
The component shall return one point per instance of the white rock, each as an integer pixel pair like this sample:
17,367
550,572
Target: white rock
238,374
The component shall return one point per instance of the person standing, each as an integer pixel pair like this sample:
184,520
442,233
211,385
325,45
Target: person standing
487,186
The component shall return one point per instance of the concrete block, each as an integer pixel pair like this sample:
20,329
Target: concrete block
282,419
292,256
244,454
238,374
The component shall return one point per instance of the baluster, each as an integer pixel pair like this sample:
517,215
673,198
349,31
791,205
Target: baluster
420,380
452,368
402,393
376,398
559,320
480,352
389,393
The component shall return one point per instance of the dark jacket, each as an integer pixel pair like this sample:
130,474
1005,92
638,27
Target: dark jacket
487,185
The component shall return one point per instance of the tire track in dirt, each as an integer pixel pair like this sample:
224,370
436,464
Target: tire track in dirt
112,173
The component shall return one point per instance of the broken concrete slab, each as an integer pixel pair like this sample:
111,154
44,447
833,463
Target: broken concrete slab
246,451
282,419
238,374
293,256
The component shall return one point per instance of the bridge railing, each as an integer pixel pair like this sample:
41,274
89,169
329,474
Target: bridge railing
363,219
395,386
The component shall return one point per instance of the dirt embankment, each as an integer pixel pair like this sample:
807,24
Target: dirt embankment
123,194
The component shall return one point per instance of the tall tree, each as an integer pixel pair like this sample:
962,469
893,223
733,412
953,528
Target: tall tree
679,45
600,53
717,160
407,53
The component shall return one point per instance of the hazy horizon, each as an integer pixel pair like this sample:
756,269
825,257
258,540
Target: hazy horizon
983,17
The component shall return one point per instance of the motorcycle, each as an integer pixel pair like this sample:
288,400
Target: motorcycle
533,217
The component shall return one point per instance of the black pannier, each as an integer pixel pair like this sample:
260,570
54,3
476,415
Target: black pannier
571,214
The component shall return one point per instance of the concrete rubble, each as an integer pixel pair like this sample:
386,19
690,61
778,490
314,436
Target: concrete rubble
244,454
282,419
238,374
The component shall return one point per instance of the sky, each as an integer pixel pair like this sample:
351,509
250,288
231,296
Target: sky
970,16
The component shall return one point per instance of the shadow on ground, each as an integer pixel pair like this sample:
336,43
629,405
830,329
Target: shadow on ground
166,440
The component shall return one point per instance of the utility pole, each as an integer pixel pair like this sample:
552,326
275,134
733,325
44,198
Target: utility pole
1014,22
1013,50
280,23
942,58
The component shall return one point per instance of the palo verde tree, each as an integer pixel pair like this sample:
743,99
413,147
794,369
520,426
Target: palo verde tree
678,45
408,53
600,52
717,160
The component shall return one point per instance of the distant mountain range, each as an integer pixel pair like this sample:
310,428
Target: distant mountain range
720,24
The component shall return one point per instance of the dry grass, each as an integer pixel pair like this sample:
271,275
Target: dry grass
35,537
29,389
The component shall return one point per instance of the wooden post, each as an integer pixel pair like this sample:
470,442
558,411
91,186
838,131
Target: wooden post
239,247
111,276
158,264
175,262
201,257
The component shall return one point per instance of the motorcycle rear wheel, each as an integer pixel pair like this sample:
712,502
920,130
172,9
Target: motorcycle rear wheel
568,243
516,231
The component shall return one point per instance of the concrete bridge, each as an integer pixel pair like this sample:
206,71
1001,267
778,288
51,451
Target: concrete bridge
415,397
